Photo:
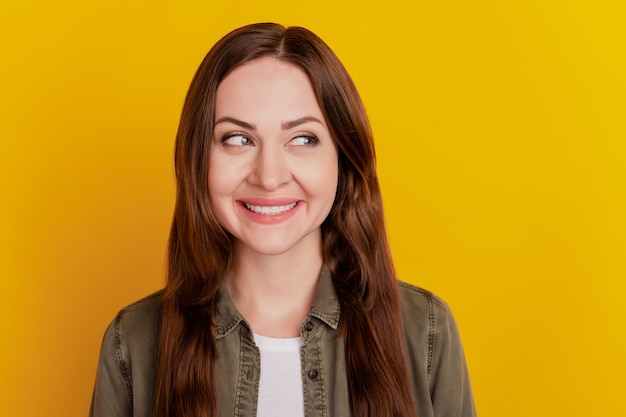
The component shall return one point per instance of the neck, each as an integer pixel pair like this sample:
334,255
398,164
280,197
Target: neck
274,293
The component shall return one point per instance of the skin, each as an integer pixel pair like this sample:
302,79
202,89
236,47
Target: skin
272,182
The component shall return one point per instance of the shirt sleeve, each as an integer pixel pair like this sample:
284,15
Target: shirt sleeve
450,388
112,396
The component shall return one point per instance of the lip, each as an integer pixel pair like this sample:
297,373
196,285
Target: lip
269,218
270,202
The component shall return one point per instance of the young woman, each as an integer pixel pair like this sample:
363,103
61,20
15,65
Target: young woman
281,297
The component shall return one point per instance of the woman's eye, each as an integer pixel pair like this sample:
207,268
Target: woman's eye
236,140
304,140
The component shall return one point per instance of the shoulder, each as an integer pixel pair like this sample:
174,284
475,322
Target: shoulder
147,308
135,327
133,335
417,303
427,322
436,361
139,320
128,360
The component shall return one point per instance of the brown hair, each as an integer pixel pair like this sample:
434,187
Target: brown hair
355,244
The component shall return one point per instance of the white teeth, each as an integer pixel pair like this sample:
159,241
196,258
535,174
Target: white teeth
269,210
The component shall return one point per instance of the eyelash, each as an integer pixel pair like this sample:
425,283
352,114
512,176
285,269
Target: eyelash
225,139
312,139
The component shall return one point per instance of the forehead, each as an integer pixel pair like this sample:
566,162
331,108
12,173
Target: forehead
268,84
264,67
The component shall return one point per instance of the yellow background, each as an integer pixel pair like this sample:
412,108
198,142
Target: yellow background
501,140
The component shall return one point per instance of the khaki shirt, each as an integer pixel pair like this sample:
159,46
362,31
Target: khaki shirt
126,371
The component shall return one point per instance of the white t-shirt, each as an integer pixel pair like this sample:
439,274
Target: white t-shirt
280,385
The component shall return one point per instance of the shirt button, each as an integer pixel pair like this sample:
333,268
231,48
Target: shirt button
308,326
313,374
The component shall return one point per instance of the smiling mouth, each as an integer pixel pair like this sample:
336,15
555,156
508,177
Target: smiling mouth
270,210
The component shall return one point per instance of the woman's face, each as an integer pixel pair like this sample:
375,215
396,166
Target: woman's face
273,165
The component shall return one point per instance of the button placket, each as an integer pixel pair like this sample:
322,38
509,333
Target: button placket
248,380
312,376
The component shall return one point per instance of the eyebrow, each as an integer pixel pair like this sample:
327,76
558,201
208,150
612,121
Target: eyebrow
234,121
284,126
293,123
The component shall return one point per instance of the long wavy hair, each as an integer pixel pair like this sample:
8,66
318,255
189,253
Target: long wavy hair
355,245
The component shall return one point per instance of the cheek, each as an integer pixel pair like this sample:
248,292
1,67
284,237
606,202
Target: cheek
221,176
325,180
219,196
220,188
214,183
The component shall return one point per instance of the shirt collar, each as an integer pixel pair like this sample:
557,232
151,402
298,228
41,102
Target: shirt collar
325,306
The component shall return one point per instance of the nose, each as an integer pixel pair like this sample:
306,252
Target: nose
271,168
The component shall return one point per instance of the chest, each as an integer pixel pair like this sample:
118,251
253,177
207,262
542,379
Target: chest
324,385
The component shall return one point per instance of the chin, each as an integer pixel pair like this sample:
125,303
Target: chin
280,244
272,249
